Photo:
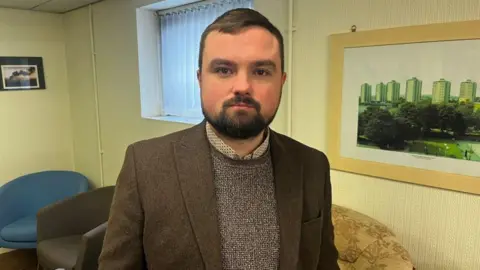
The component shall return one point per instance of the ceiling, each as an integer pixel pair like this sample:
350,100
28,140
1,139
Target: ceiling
54,6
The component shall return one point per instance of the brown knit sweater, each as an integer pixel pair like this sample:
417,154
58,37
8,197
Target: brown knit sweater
247,212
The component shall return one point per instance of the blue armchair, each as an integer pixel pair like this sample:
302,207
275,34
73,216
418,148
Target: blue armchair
21,198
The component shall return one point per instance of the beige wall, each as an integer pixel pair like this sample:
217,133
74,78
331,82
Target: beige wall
436,226
35,125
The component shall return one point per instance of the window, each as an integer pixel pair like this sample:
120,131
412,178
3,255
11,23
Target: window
179,42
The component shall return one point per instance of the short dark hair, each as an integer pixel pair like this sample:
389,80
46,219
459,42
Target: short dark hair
235,20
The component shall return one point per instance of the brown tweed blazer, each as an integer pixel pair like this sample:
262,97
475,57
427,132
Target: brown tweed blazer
163,212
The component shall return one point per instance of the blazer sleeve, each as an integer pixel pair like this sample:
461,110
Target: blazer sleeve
123,246
329,253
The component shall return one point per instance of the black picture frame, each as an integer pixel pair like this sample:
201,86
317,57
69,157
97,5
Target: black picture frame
21,73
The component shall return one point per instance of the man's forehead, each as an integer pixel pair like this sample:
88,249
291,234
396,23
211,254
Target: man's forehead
255,34
250,44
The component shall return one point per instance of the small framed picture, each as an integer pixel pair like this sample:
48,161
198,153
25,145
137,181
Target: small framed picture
21,73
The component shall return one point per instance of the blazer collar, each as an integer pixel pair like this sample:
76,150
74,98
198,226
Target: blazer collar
288,173
195,175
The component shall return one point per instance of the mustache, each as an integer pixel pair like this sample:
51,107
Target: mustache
242,99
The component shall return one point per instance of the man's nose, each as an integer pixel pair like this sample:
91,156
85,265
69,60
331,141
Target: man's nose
242,84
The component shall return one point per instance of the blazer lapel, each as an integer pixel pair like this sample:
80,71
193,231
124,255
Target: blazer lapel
195,176
289,192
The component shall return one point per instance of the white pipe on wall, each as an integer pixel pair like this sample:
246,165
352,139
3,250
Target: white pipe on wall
290,67
95,89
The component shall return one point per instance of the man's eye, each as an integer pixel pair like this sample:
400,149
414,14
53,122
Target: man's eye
223,71
262,72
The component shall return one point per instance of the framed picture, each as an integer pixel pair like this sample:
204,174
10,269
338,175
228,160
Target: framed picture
404,104
21,73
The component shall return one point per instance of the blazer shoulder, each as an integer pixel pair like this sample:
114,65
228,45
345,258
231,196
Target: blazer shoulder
158,146
162,140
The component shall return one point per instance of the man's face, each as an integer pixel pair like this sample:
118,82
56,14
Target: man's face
241,81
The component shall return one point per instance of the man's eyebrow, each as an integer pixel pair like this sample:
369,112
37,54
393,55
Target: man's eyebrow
219,61
259,63
263,63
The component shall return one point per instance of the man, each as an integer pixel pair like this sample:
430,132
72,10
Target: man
229,193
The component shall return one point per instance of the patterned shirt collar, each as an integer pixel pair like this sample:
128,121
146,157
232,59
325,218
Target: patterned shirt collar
223,148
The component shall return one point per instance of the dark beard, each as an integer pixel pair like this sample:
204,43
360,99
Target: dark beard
241,125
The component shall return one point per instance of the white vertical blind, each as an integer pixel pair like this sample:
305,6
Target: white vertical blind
180,35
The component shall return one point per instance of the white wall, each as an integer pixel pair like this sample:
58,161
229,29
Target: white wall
438,227
35,125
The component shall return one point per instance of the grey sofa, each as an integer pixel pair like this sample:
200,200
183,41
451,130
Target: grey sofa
70,232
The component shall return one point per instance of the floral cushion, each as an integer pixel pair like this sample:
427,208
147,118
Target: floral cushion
364,243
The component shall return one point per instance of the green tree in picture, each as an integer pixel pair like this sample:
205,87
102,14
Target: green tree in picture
476,120
407,130
467,111
429,118
458,126
409,116
447,116
409,111
381,128
365,117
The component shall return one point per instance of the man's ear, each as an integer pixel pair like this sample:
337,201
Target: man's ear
199,75
284,77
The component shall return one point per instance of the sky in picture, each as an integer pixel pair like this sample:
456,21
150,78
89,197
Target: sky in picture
454,61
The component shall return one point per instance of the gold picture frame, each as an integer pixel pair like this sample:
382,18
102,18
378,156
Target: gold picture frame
388,165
